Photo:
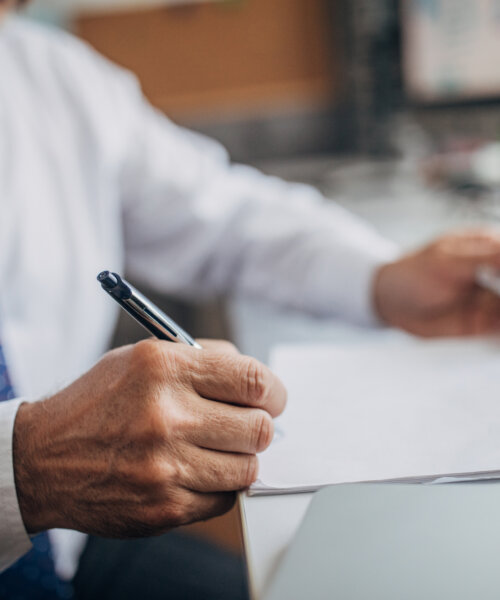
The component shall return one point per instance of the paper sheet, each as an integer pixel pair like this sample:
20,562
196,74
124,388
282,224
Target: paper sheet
399,410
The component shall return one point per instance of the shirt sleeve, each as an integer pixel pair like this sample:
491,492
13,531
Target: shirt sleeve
14,540
197,225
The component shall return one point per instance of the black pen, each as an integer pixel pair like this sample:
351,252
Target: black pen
143,310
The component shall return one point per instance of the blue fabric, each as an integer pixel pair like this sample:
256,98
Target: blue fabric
33,576
6,389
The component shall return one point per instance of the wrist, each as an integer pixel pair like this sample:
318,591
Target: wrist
31,469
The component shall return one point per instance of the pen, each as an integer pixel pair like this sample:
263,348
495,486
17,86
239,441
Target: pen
143,310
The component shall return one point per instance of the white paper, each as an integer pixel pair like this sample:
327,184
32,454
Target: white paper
399,410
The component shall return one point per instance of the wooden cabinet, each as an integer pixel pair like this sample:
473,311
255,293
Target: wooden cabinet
240,56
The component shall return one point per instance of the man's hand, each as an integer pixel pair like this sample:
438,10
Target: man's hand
433,292
154,436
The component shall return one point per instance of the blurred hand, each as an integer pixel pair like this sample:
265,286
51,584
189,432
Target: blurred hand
433,292
154,436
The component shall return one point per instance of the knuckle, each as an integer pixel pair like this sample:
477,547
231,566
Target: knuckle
160,517
262,430
157,363
114,354
176,514
177,356
176,421
147,355
180,426
256,382
171,473
145,349
158,476
158,473
150,423
177,363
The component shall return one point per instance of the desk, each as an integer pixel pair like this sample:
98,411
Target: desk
400,208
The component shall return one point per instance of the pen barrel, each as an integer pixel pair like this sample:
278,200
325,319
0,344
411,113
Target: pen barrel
156,331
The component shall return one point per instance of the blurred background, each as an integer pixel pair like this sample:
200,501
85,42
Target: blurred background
289,78
390,107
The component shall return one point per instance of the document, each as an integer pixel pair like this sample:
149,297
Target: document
403,410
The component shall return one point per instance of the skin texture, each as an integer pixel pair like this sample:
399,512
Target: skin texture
432,292
156,435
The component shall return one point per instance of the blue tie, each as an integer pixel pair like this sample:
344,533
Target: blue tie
33,576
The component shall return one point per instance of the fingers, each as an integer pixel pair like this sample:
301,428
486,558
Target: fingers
184,507
237,379
206,506
219,426
485,317
478,314
213,505
210,471
470,249
223,376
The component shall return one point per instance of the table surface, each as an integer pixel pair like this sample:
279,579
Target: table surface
403,210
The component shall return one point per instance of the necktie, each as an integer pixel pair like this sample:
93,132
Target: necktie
33,576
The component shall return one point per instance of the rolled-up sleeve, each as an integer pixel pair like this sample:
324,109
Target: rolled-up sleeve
195,224
14,540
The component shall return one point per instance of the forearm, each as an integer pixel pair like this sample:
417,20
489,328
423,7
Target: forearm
246,233
307,253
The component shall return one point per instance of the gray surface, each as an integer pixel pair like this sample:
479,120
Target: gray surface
395,542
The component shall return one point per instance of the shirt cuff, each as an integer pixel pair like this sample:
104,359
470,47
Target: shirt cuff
14,540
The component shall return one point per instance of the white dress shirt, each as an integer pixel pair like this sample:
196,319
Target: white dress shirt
92,178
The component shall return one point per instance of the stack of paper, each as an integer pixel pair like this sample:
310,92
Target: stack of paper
403,410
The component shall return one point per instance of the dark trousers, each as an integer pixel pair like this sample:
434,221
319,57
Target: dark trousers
170,567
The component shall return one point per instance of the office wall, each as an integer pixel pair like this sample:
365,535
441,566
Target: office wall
262,76
244,56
